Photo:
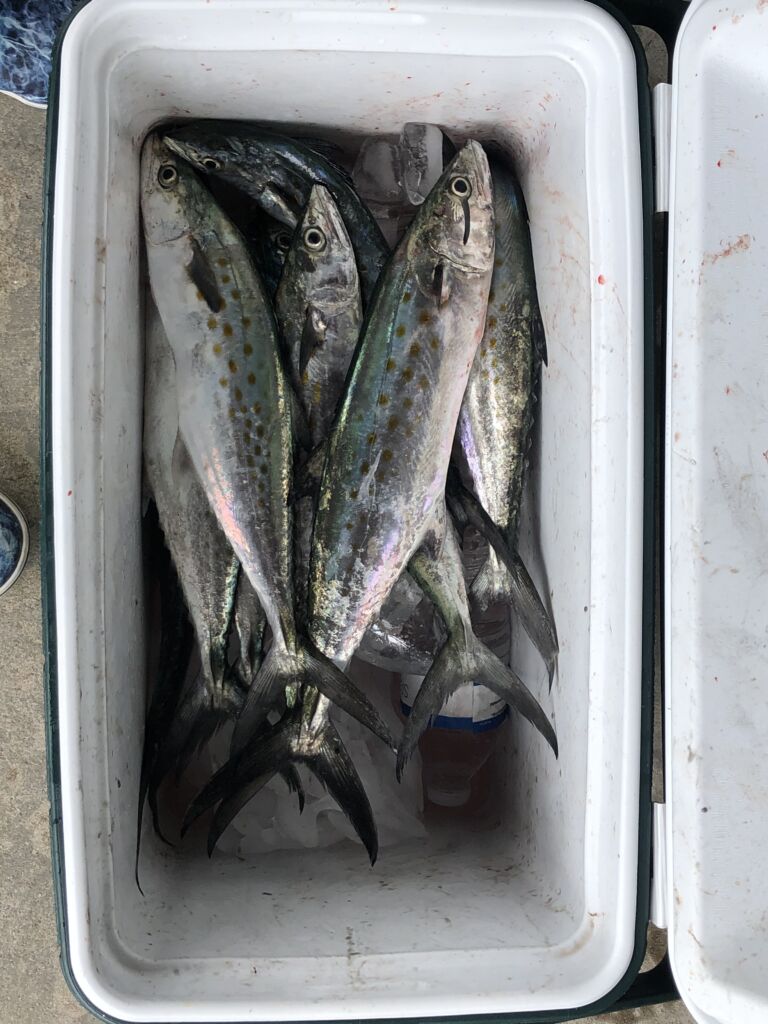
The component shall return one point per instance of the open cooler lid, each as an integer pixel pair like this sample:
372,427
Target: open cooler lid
716,510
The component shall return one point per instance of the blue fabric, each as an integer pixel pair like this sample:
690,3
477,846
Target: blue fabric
27,32
11,542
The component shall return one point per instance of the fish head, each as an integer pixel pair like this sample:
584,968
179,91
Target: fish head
246,161
322,248
458,226
172,199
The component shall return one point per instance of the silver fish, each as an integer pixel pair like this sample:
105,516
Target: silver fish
236,416
493,436
319,309
389,451
206,567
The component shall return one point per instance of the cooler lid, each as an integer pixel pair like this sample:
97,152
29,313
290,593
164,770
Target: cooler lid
716,508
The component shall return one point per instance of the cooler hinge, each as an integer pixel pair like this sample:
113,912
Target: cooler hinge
662,129
659,867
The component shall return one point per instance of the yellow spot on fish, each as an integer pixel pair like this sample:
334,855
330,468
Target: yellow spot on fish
423,383
494,362
425,318
434,341
259,431
491,295
247,348
235,294
380,475
262,485
232,412
400,331
414,350
217,350
393,422
364,467
248,424
491,321
353,494
261,503
256,408
238,395
199,295
386,455
492,342
222,304
483,353
250,461
212,322
246,323
496,378
243,409
408,432
257,450
503,307
371,439
225,278
263,467
246,439
251,378
407,402
407,373
305,377
223,381
391,364
406,296
221,261
349,526
383,400
484,375
226,330
497,263
232,366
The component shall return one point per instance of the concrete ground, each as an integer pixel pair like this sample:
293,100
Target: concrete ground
32,989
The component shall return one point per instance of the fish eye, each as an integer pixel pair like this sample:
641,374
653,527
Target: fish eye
283,241
314,239
210,164
461,188
167,175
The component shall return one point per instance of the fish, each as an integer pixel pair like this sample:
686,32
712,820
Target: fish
278,173
319,309
493,436
437,568
206,565
236,420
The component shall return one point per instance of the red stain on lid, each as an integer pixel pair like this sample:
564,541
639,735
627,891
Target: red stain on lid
727,389
719,163
69,494
600,279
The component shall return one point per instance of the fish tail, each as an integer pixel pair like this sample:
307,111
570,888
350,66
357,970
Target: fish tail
521,590
465,660
284,672
491,583
280,750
